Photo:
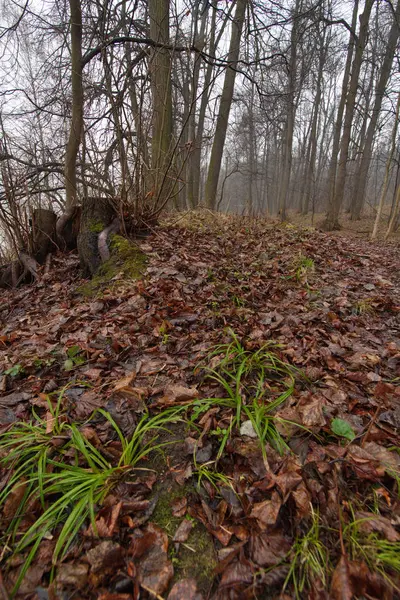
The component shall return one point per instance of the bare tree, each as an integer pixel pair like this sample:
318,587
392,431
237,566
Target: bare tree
362,174
332,217
76,127
225,106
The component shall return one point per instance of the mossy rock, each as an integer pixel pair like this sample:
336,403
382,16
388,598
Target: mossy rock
196,558
127,261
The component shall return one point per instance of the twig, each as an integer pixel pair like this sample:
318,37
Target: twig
3,592
152,592
372,422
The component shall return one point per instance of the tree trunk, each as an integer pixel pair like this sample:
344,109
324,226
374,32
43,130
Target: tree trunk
395,214
332,223
362,175
310,173
97,214
332,219
195,160
387,171
291,113
160,70
76,128
43,233
194,141
214,167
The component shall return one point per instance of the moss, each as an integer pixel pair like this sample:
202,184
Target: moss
96,227
196,558
127,261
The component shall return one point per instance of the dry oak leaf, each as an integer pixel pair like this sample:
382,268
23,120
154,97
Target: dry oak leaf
185,589
14,499
266,512
268,549
302,499
180,393
369,522
341,586
388,460
183,531
311,412
155,570
237,572
125,382
72,575
367,584
105,558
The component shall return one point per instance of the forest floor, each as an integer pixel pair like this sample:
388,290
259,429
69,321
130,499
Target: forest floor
361,228
266,358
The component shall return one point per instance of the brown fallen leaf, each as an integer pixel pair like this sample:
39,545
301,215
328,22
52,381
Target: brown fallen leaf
367,584
14,398
268,549
369,522
155,571
310,411
72,575
388,460
104,559
14,499
183,531
302,498
237,572
106,521
179,506
177,393
185,589
125,382
341,585
266,512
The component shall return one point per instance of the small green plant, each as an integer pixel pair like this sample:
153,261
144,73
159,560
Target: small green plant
238,302
39,363
255,383
75,358
210,274
15,370
309,560
342,428
67,475
364,307
303,267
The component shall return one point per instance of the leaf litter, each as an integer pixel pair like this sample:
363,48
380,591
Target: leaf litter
284,472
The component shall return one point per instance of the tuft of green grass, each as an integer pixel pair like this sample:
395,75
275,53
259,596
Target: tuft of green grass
380,555
61,474
303,267
309,560
214,477
255,382
364,307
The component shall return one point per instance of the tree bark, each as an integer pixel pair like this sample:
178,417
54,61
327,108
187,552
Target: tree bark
330,222
217,151
43,233
387,172
362,175
291,112
310,173
332,219
160,69
76,128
